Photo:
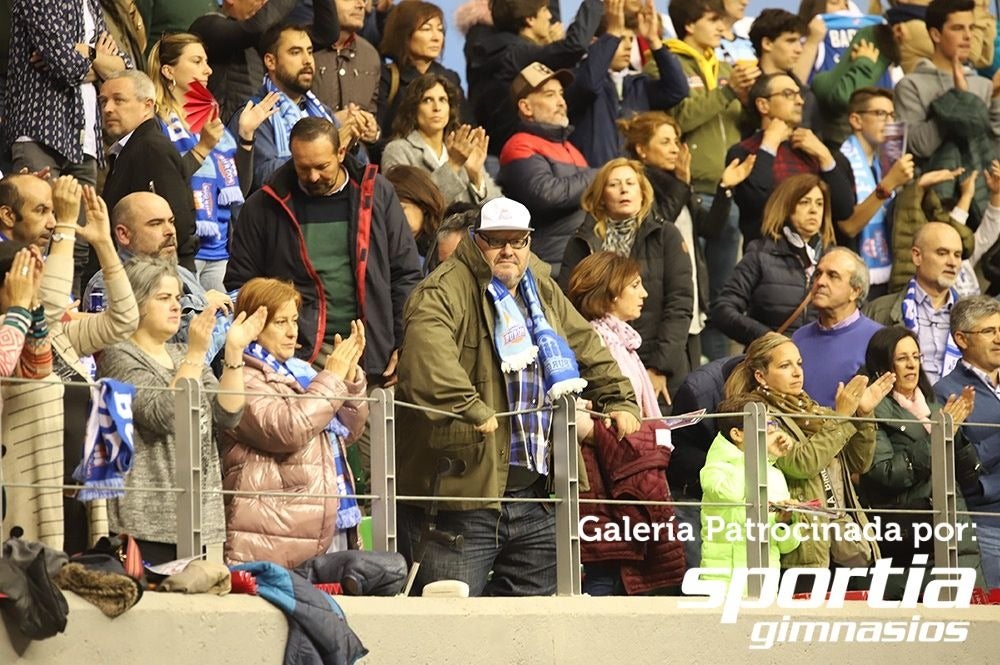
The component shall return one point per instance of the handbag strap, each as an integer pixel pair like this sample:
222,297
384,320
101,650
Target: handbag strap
796,314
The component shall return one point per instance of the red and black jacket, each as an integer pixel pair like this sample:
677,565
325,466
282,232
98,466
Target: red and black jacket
267,241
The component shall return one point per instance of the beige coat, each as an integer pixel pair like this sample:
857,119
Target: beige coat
33,413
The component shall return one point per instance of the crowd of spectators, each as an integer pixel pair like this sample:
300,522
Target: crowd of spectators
655,208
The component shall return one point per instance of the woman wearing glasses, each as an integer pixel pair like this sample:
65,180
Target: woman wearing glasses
621,219
900,475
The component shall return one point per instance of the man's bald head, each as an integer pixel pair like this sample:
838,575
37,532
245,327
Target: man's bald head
26,212
143,223
937,255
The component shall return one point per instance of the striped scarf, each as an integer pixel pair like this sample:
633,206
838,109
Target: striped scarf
348,512
290,113
215,185
952,354
108,447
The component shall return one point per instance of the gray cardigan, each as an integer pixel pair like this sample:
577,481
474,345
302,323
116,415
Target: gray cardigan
152,515
454,186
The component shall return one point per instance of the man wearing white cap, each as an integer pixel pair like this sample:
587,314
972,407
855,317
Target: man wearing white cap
490,332
539,166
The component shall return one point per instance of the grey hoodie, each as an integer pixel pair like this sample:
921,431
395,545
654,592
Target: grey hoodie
913,97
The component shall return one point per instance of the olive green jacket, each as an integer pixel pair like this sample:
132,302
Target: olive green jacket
448,361
802,465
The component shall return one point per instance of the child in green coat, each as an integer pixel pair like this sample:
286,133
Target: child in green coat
724,528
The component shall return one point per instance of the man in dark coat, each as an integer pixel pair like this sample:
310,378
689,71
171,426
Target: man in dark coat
539,167
143,159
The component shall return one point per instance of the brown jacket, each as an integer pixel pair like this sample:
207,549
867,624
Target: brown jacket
280,445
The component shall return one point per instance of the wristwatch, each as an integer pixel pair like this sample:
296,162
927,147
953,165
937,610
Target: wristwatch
881,193
59,237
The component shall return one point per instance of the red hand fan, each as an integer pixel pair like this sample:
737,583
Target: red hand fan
199,106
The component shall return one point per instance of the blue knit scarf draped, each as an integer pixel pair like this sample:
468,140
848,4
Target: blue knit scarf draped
290,113
215,185
108,448
348,513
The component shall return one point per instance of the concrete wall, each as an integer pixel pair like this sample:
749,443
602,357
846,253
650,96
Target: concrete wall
168,629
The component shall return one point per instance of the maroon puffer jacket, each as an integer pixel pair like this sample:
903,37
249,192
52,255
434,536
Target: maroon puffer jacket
634,468
281,445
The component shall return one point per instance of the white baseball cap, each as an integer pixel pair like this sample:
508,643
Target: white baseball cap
503,214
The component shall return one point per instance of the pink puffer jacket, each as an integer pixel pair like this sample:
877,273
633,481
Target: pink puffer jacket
281,445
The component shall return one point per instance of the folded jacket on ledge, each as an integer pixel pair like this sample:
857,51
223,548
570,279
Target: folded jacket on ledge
360,573
318,633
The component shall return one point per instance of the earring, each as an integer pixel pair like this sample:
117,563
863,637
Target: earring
171,84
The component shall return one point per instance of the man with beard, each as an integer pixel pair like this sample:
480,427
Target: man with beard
288,61
539,167
142,159
489,333
924,306
338,232
143,225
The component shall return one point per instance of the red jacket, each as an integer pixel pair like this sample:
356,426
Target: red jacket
634,468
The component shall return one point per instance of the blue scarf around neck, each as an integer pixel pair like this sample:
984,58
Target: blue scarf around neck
873,243
348,512
290,113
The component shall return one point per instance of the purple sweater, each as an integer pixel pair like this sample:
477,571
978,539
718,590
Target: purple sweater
832,356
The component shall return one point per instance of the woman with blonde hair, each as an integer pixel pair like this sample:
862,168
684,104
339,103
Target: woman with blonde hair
771,281
621,219
654,138
222,168
825,453
284,444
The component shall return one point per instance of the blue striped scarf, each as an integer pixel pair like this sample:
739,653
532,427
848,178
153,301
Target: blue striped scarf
107,449
290,113
348,513
952,354
215,185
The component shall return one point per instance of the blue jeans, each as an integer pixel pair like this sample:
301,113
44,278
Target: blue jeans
602,579
721,257
988,536
692,548
518,544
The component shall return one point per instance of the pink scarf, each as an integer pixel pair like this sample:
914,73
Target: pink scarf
622,340
916,406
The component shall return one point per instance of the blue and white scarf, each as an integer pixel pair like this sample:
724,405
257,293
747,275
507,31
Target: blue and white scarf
108,448
290,113
215,185
519,343
952,354
873,243
348,512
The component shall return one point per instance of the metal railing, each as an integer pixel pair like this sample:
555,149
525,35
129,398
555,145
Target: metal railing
190,490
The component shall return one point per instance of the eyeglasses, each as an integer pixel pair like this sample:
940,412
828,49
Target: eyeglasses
880,114
788,93
986,332
500,243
